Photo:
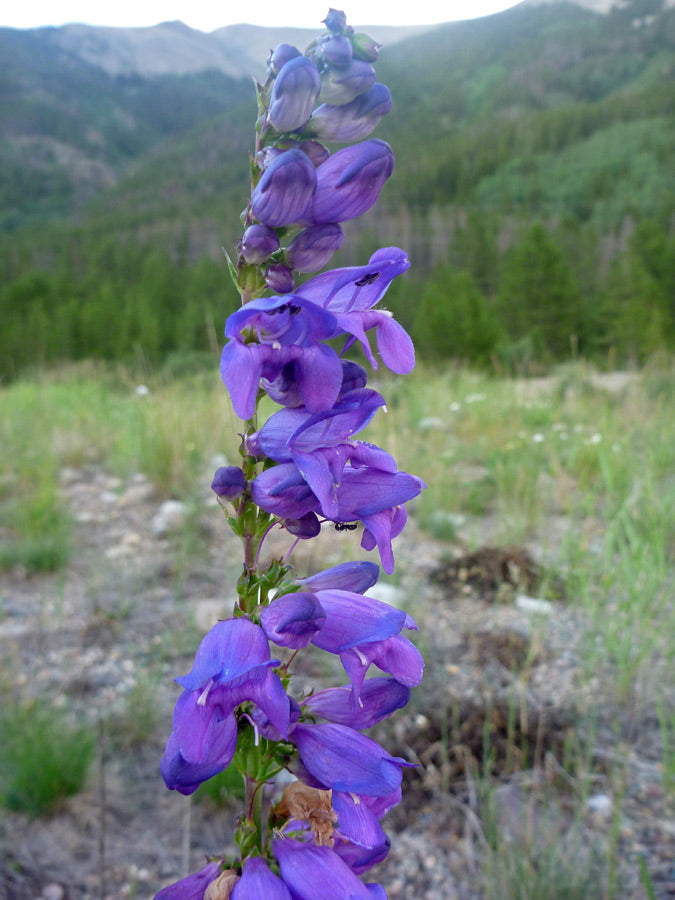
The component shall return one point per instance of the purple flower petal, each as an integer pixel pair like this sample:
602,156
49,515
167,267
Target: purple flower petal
350,181
396,656
345,760
379,698
286,190
293,620
294,94
317,873
192,887
202,743
258,881
349,576
231,650
352,620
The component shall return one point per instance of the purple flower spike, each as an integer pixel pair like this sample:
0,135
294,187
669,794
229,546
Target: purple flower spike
352,121
293,620
258,881
344,84
318,873
294,94
380,697
350,181
258,243
228,482
192,887
285,191
340,758
310,250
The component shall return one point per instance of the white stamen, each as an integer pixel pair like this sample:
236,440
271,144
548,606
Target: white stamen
205,693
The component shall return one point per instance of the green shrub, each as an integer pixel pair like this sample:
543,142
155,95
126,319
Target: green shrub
43,758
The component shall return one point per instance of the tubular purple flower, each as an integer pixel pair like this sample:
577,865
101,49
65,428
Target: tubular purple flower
258,881
228,482
192,887
286,189
351,293
310,250
258,243
294,94
318,873
292,620
351,121
286,332
352,620
349,576
379,698
232,665
342,759
341,85
279,278
349,182
370,495
395,655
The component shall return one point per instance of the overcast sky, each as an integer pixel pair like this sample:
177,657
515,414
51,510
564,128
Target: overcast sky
208,15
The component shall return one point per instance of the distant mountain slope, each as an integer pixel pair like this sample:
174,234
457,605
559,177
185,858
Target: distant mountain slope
172,48
484,110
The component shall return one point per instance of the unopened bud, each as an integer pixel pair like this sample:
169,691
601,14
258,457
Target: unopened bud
285,190
278,58
342,85
336,50
294,94
351,121
364,47
279,278
310,250
258,243
335,21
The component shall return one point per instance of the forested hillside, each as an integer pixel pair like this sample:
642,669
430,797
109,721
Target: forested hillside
534,190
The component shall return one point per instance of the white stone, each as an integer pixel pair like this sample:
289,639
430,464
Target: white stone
601,804
168,518
534,604
387,593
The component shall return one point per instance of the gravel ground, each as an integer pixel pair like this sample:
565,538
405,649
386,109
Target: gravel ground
503,695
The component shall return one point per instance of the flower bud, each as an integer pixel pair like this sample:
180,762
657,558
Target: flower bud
278,58
351,121
279,278
342,85
364,47
350,181
285,190
310,250
336,50
294,94
335,21
258,243
228,482
315,151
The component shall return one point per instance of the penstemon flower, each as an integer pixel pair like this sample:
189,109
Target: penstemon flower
302,469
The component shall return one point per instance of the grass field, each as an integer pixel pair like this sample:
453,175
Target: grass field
579,467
